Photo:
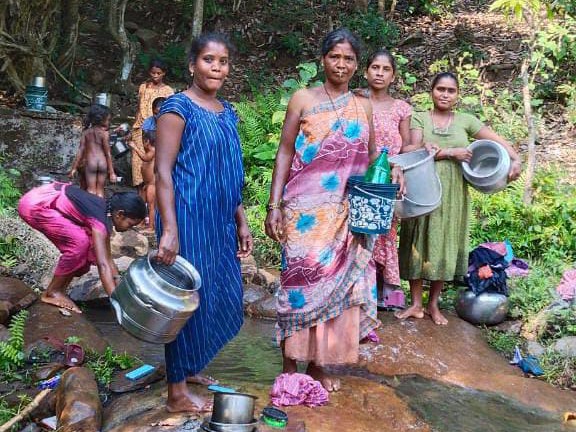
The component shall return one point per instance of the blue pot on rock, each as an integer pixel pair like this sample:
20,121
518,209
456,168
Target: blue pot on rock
487,308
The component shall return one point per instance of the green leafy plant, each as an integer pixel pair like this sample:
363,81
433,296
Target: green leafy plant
260,128
9,193
7,412
502,342
559,370
292,43
11,351
104,365
374,30
560,323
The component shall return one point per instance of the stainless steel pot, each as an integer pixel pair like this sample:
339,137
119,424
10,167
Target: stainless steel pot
43,180
39,81
486,308
224,427
488,169
154,301
232,409
103,99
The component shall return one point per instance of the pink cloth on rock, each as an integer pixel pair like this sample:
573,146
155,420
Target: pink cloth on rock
567,287
298,389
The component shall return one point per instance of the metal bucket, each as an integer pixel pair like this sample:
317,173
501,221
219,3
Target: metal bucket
423,187
36,98
42,180
39,81
154,301
233,409
485,308
118,147
103,99
488,169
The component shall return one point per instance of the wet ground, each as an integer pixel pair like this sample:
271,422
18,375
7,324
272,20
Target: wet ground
251,357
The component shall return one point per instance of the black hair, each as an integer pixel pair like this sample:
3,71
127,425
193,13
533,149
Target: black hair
382,52
157,103
130,203
149,135
441,75
204,39
158,63
339,36
96,116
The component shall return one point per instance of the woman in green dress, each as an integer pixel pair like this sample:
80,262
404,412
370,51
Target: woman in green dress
435,247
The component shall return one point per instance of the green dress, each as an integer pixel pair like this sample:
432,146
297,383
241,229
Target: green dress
435,247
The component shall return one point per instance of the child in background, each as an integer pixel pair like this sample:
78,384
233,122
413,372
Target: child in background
148,91
148,176
150,123
93,160
391,119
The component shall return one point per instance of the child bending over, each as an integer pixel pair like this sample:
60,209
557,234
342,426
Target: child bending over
148,176
93,161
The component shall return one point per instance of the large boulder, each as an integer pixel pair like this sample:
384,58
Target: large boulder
39,254
46,320
88,288
78,406
130,243
15,295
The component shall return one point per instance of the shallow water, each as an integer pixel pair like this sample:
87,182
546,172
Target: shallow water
252,356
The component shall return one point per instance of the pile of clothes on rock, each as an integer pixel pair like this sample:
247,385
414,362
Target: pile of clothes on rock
489,266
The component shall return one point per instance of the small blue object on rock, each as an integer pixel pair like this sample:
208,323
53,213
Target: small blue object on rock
141,372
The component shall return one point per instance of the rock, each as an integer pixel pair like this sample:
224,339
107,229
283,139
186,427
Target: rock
513,327
266,279
47,371
4,311
457,354
41,255
15,295
78,406
535,349
45,320
249,268
565,346
121,384
31,427
4,333
129,243
88,288
148,38
253,294
264,308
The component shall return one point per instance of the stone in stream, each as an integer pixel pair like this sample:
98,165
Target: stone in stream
121,384
4,333
45,320
78,406
15,295
47,370
130,243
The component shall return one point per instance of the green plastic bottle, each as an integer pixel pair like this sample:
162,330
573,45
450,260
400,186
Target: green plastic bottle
379,171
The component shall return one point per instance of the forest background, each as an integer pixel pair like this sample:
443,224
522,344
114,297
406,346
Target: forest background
516,60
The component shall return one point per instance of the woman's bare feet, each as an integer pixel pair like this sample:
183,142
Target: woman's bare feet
436,315
59,300
202,380
332,384
411,312
180,399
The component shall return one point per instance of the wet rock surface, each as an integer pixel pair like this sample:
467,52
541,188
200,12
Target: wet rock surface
46,320
15,295
130,243
78,406
456,354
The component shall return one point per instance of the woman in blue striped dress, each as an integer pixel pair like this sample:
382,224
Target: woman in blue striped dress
199,190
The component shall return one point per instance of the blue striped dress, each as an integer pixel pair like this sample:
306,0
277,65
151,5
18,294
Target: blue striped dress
208,178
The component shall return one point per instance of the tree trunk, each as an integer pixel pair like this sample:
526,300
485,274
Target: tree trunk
381,7
118,32
197,20
527,99
69,38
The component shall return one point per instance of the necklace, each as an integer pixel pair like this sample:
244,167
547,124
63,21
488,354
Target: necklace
441,130
340,122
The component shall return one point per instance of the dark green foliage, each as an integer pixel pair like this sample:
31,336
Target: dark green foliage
9,193
545,229
175,57
502,342
372,28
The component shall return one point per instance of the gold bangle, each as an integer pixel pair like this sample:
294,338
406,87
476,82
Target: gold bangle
274,205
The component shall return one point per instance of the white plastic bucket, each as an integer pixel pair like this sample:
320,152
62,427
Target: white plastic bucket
423,187
488,168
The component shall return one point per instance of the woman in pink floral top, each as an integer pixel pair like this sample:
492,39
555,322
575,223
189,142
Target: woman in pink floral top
391,119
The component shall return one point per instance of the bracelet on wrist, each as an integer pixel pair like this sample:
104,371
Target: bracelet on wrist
274,205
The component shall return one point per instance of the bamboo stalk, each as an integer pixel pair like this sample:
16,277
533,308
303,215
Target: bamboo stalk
22,414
